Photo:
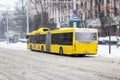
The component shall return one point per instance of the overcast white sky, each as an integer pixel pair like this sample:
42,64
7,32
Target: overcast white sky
7,2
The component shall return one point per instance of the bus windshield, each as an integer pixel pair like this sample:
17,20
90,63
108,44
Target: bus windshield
28,38
85,36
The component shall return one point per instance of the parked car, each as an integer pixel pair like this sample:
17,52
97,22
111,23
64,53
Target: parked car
23,40
105,40
114,39
101,40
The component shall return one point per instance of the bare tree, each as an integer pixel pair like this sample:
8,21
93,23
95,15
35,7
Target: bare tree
3,25
41,10
20,17
41,7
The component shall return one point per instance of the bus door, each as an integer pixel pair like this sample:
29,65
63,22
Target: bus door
48,41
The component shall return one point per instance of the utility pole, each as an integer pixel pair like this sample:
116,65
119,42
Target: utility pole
57,16
109,21
74,8
110,37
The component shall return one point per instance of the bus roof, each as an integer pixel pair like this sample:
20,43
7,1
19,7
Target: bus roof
42,30
86,30
65,28
29,33
76,28
32,33
39,31
62,30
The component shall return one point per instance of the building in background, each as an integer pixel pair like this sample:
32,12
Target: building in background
104,9
93,13
61,11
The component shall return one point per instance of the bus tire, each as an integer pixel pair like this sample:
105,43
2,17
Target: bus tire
42,49
31,47
61,51
82,55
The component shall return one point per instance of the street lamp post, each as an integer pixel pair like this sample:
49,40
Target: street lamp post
27,13
7,26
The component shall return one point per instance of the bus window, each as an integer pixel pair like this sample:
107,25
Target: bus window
28,38
67,39
40,39
85,37
62,38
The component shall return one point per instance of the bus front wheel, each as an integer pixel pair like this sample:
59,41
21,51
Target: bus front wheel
61,51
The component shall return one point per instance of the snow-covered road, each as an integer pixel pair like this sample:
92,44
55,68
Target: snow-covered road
23,64
103,50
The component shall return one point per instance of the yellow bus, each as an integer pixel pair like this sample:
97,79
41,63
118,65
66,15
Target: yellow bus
69,41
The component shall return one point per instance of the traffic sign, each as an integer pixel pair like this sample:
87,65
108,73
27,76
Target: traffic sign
75,18
75,12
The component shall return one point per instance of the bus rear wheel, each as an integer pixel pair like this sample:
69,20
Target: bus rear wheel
42,49
61,51
31,47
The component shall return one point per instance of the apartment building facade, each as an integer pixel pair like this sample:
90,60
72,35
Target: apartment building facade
106,10
61,12
89,10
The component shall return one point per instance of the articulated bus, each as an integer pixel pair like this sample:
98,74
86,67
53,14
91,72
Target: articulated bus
69,41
